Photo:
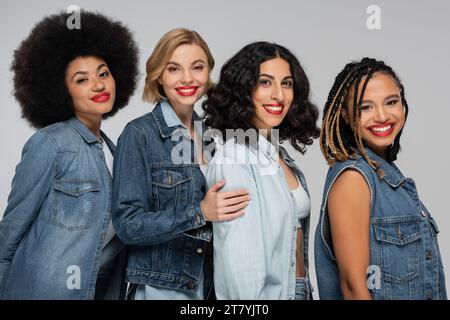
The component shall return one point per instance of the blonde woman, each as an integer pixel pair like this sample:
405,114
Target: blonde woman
160,201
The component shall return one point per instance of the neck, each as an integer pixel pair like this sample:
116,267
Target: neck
185,114
92,123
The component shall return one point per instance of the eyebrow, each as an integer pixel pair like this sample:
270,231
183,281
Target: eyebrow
85,72
395,95
272,77
177,64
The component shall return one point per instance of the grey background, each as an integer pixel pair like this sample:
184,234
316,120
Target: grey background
325,35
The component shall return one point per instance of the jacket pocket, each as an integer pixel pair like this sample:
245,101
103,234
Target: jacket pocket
398,249
170,185
75,202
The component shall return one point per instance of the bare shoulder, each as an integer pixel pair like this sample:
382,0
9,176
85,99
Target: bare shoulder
349,189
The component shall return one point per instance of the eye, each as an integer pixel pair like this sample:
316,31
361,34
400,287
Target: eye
288,83
172,69
392,102
104,74
264,82
366,107
81,81
199,67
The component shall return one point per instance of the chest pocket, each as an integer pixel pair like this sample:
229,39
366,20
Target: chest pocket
398,249
170,185
75,203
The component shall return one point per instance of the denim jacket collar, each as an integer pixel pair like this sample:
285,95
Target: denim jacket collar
392,174
79,126
271,152
109,143
267,148
167,120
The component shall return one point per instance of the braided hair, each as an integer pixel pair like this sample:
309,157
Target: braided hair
340,141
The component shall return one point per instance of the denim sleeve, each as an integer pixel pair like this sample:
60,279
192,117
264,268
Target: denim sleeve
239,255
133,221
31,183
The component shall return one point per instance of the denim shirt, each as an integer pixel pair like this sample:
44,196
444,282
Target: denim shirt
405,262
157,190
255,254
52,232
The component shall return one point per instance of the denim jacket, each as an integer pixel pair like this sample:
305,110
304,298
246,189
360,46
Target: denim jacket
51,235
405,262
255,254
156,204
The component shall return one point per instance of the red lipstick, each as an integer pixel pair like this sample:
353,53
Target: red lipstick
274,108
186,91
382,130
101,97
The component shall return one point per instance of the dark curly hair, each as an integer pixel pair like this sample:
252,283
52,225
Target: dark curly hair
340,141
230,106
41,61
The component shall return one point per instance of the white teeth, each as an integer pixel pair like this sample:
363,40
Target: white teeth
383,129
186,90
274,109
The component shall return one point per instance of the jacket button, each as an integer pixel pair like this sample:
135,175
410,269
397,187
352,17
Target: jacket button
191,285
428,255
199,250
429,296
424,214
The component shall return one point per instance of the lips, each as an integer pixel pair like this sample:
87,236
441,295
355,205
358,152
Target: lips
274,108
101,97
382,130
186,91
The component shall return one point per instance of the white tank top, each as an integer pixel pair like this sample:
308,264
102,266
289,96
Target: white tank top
302,202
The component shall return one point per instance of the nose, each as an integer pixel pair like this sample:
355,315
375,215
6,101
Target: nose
98,85
380,114
277,93
186,77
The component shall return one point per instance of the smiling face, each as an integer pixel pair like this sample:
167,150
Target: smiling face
91,86
273,95
382,112
185,77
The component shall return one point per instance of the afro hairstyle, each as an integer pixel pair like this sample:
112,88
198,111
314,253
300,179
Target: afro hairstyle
40,63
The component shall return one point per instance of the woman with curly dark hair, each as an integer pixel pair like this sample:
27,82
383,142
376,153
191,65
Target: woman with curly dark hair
264,253
375,238
56,238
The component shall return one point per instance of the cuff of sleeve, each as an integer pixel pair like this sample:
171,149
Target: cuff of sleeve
203,230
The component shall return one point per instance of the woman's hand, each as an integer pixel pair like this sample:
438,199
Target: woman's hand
224,206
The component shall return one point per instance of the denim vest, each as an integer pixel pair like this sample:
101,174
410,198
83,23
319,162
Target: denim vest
405,262
156,205
52,232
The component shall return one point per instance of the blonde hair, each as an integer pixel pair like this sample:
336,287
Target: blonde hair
156,63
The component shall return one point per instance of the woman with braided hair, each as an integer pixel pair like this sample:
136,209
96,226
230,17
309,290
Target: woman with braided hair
375,238
56,236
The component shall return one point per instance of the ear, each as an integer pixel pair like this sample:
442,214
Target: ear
159,81
344,114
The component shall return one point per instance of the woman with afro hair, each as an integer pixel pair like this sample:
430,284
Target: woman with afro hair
56,238
262,99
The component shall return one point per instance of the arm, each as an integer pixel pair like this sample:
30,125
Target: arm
132,220
349,213
30,186
239,263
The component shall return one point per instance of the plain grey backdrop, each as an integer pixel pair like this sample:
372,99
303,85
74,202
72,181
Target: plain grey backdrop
325,35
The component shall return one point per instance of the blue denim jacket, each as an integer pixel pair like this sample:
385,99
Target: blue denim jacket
255,255
156,205
51,235
405,262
